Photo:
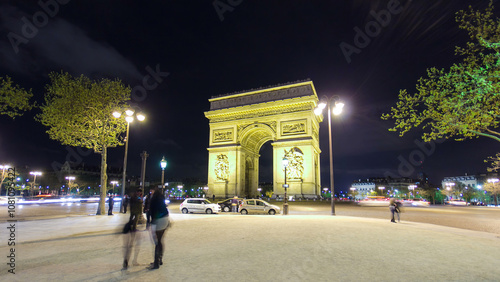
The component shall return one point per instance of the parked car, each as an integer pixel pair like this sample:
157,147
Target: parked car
258,206
226,205
200,205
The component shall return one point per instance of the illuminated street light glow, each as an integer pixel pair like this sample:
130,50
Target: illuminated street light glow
337,110
493,180
285,201
141,117
129,118
163,165
35,174
70,179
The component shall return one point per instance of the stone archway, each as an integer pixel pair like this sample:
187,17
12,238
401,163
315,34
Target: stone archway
241,123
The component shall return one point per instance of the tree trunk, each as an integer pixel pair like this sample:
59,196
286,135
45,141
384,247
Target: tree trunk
104,179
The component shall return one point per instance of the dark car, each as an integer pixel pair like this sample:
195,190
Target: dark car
226,206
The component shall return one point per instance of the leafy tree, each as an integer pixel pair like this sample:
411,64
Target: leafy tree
78,112
464,101
458,190
494,162
468,193
428,192
13,99
494,189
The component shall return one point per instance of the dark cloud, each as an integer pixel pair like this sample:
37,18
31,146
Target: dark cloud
60,45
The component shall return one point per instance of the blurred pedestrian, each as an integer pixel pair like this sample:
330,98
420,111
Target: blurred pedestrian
131,240
213,198
110,204
392,208
234,204
147,204
160,222
398,209
125,203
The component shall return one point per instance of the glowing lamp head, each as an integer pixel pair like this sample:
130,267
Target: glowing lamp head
141,117
163,163
285,162
337,110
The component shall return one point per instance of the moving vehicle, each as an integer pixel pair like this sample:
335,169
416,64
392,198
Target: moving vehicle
420,203
375,201
200,205
258,206
455,202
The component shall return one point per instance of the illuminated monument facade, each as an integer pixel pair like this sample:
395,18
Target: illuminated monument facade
241,123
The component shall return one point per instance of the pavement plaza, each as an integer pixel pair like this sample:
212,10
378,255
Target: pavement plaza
228,247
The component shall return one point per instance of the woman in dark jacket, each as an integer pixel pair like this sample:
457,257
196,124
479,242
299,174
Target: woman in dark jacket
160,222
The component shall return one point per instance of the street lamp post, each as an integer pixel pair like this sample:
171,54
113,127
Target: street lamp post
129,118
70,179
285,201
35,174
337,110
352,192
381,188
412,188
163,164
114,183
449,186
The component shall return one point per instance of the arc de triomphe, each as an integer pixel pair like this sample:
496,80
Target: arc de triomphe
240,123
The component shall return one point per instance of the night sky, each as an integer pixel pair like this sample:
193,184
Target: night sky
246,45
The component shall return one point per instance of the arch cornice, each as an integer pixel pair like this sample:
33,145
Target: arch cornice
264,110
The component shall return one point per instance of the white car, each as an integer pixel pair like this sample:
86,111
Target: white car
455,202
258,206
200,205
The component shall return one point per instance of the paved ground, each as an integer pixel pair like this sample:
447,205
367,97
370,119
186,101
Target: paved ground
253,248
475,218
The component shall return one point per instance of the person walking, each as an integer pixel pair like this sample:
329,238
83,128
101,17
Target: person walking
398,208
110,204
160,222
131,240
147,204
125,203
234,204
392,207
